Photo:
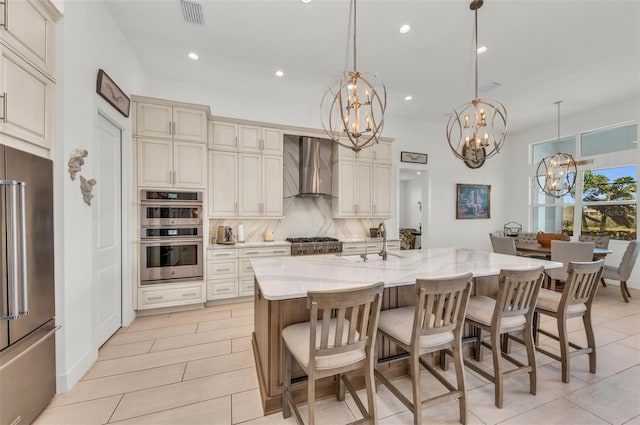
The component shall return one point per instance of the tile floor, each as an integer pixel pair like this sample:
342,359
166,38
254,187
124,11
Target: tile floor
197,367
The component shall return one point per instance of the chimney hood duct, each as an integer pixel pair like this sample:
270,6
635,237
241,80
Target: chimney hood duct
315,168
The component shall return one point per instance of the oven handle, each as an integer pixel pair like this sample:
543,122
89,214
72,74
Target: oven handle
176,241
169,204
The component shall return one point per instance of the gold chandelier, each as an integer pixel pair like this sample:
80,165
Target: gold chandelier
476,130
353,107
558,170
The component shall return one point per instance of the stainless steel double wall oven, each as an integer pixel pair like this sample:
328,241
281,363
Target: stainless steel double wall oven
171,243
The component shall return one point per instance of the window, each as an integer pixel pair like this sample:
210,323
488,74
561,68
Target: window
609,202
604,199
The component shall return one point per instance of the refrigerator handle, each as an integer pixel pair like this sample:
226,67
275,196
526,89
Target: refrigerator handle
23,249
12,248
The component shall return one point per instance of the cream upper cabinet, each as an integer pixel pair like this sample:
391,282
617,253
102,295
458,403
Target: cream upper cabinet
27,103
223,136
223,184
272,185
249,176
381,190
165,164
28,26
362,186
155,163
260,185
253,139
189,165
171,122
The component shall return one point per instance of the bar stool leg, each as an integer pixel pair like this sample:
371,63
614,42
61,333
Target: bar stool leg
531,357
591,341
415,383
564,348
497,368
339,387
458,366
369,382
311,398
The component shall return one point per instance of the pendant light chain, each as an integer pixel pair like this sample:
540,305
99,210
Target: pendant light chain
476,49
355,31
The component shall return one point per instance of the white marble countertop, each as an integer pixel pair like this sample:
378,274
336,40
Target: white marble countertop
291,277
240,245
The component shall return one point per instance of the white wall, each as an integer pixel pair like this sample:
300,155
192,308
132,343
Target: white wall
87,40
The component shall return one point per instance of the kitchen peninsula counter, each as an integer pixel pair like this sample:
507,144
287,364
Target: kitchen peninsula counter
282,284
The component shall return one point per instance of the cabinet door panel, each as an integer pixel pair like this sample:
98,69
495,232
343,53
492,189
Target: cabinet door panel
189,164
382,190
155,163
272,186
343,179
223,136
249,176
31,32
363,192
189,124
154,120
223,184
249,138
382,153
29,100
272,141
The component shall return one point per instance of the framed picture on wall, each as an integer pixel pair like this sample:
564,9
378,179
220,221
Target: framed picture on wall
113,94
473,201
415,157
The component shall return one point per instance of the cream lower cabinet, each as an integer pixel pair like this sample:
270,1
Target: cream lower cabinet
229,271
170,295
368,247
166,163
27,102
222,274
260,185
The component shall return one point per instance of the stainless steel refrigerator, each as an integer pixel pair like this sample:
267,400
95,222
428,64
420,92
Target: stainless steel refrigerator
27,306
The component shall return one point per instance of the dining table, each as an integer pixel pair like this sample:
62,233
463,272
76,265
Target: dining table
598,253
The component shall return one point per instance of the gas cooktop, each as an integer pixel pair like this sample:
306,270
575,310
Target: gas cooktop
314,245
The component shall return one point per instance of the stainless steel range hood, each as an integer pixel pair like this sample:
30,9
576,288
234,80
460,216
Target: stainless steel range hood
314,167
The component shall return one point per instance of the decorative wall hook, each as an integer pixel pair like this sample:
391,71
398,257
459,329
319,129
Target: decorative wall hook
86,187
76,161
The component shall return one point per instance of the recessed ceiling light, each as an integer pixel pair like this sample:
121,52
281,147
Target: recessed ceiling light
193,56
279,73
418,172
305,1
482,49
404,28
408,97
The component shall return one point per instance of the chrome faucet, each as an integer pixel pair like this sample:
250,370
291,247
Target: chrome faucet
383,234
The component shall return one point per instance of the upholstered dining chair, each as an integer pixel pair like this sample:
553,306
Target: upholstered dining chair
503,244
511,311
526,238
339,337
566,252
623,271
434,324
575,301
601,241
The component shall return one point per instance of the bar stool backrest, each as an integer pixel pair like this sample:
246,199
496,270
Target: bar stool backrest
441,305
582,284
356,313
517,292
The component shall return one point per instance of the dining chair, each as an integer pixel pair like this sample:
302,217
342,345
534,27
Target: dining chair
574,301
565,252
503,244
511,311
338,338
624,269
601,241
529,238
435,323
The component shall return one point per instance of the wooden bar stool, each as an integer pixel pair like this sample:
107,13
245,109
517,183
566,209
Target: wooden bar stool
338,338
575,301
434,324
512,311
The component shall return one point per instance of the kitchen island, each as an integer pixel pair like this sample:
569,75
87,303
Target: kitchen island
282,284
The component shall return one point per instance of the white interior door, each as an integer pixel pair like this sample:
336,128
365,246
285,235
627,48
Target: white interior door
107,231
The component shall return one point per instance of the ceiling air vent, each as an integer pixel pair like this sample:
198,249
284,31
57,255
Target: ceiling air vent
192,12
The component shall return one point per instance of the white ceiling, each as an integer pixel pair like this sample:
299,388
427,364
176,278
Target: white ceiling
586,53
